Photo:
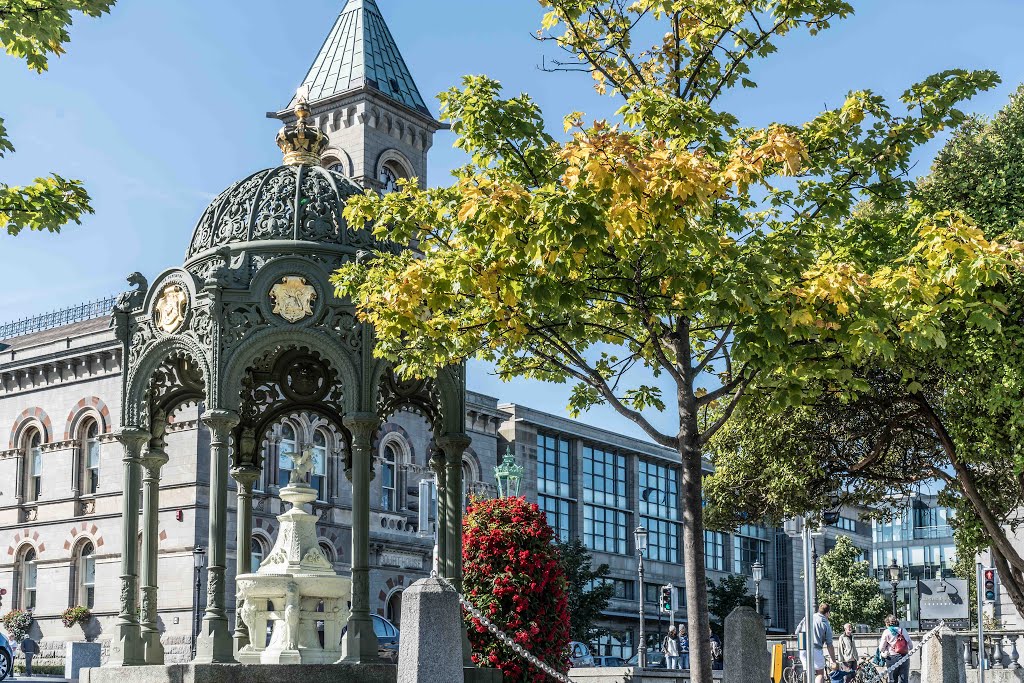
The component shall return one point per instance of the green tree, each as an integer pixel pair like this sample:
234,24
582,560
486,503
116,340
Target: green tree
672,240
845,583
588,595
35,30
951,413
730,593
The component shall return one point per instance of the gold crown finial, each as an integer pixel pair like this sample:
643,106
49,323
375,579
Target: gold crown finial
301,142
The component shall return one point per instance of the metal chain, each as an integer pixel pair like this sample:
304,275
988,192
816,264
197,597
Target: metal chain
928,636
502,636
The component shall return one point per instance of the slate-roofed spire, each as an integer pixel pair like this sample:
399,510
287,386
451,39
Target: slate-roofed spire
360,51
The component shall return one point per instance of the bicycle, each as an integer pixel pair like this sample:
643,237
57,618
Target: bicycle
794,673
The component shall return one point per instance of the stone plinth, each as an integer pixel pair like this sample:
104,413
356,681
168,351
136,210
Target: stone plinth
746,651
430,648
940,660
245,673
78,656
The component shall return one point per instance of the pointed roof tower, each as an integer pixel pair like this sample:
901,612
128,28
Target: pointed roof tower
361,52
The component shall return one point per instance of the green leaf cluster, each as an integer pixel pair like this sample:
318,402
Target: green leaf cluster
35,30
587,592
845,583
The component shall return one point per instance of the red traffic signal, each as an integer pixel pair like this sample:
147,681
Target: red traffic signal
989,577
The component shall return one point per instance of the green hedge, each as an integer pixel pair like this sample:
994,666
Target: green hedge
19,668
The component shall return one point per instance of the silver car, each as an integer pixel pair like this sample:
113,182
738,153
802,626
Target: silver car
6,658
580,655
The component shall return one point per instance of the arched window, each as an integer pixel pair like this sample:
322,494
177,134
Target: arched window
27,572
393,610
256,553
467,480
318,477
388,475
34,458
85,573
328,550
288,446
91,457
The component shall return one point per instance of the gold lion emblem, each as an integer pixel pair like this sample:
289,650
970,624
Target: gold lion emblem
169,311
293,298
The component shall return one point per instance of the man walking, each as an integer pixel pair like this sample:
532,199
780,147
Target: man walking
821,638
29,648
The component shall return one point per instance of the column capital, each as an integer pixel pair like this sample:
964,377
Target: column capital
245,476
362,425
133,438
218,420
154,459
454,445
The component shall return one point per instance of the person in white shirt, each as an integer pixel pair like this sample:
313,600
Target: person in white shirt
821,636
670,646
893,645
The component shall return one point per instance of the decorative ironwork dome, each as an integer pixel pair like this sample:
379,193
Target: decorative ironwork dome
279,209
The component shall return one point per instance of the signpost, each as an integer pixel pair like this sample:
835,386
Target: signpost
944,600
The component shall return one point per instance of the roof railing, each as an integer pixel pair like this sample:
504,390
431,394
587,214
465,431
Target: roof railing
53,319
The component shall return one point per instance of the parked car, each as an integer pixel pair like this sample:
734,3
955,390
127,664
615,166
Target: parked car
579,654
655,660
609,661
6,658
387,638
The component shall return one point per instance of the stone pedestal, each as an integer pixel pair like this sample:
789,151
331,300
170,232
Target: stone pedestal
940,662
430,649
78,656
746,651
294,588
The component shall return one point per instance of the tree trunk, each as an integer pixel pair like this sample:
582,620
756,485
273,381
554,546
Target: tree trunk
694,573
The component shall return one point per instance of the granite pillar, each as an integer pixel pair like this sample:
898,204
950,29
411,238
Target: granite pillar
214,644
360,644
154,459
126,647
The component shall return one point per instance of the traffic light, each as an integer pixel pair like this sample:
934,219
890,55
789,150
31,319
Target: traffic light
989,578
666,599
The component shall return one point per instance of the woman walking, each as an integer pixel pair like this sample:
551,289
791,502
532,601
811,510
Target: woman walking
893,645
670,646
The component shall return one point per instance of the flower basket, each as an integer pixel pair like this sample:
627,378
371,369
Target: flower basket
17,623
76,615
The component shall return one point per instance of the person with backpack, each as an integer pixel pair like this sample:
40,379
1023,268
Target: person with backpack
670,648
893,645
716,651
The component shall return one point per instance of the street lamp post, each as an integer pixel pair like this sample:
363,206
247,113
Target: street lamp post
640,536
508,475
198,562
894,580
757,573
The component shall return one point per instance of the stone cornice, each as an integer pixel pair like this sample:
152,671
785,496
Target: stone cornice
43,372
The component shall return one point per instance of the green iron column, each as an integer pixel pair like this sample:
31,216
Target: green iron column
454,445
246,477
437,464
360,640
155,458
214,644
126,648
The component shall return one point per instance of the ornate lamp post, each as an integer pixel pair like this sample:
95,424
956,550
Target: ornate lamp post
640,536
894,580
757,573
198,562
508,474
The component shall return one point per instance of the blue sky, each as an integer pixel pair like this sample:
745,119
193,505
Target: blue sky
160,105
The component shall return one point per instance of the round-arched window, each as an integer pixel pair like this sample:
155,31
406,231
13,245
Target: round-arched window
388,477
91,459
85,568
288,446
34,455
28,575
256,553
318,476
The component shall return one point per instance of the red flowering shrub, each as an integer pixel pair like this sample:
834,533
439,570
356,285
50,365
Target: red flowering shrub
512,574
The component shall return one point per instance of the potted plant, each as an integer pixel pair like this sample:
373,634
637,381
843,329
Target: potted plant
77,615
17,622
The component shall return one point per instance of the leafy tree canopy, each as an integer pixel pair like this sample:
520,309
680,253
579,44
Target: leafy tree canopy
730,593
587,594
35,30
673,239
951,413
845,583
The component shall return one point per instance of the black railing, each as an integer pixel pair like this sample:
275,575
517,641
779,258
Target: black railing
65,316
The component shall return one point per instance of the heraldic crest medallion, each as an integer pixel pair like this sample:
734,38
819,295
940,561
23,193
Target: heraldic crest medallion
169,311
293,298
